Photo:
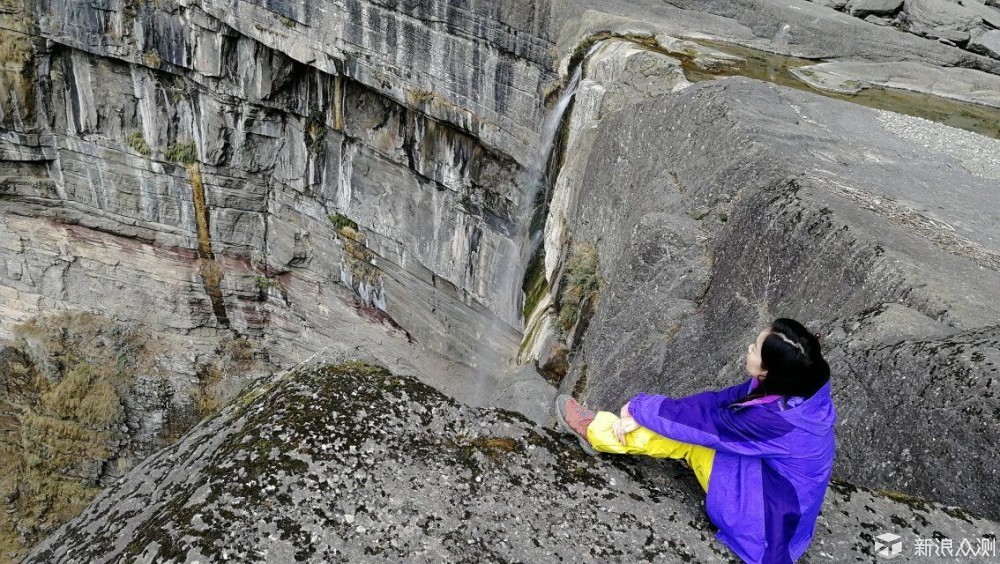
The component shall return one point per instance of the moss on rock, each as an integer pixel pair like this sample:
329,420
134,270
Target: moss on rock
348,462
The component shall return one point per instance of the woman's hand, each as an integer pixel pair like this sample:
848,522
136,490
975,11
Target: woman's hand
624,425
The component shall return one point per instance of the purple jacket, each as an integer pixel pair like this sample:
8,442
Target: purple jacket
772,464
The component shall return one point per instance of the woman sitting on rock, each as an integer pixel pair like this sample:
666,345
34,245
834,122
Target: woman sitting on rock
762,450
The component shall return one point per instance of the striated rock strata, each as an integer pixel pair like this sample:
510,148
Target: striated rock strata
211,172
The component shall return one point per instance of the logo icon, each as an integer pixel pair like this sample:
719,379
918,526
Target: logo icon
888,545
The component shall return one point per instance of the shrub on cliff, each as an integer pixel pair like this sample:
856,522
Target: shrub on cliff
582,285
138,143
64,380
184,153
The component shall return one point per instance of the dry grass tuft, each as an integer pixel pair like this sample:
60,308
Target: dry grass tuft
62,384
583,284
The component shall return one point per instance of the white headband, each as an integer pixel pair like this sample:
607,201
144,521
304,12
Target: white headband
791,342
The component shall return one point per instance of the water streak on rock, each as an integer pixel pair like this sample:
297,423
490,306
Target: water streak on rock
211,273
537,180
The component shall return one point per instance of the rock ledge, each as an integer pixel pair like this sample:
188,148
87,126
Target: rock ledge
348,463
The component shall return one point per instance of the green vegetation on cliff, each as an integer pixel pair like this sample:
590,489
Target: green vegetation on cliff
182,152
582,286
138,143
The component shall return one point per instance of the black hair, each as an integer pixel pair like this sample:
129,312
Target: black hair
793,360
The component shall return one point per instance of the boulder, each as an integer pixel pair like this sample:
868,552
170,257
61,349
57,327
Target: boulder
349,463
835,4
990,12
987,43
863,8
939,18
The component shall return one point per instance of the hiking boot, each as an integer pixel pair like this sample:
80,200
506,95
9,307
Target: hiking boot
575,418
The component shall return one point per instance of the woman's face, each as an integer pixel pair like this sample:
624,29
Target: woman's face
754,365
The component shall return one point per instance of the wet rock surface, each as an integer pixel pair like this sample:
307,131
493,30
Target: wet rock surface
347,462
954,83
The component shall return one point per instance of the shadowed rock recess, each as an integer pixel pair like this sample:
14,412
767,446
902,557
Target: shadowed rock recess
347,462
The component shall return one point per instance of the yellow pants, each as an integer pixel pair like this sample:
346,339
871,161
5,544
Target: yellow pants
644,441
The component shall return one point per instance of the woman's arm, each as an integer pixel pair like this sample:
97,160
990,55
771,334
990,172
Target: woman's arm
725,396
704,419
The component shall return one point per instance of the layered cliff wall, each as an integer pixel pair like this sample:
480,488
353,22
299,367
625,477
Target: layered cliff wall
162,129
301,177
282,177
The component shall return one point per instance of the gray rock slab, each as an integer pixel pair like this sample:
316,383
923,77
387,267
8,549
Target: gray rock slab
878,20
705,58
932,17
987,43
863,8
749,201
835,4
814,31
350,463
964,85
526,392
988,10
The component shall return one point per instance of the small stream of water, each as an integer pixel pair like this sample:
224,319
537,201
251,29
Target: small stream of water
540,183
537,183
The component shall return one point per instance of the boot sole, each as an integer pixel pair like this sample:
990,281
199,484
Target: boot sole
561,416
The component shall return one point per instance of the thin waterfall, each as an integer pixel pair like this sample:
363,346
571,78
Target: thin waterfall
526,243
550,127
518,250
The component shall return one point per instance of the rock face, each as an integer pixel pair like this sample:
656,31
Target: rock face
350,463
987,43
951,22
375,43
751,202
956,83
224,162
216,183
315,177
862,8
